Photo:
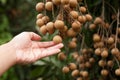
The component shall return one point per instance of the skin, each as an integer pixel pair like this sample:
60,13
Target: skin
25,48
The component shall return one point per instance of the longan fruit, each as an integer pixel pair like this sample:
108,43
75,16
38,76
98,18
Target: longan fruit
45,19
82,66
87,64
62,56
72,44
102,63
43,29
72,66
50,26
110,40
117,72
74,14
80,59
75,73
104,54
97,20
114,51
65,69
71,33
110,63
49,6
91,60
88,17
98,51
40,6
57,39
56,2
64,2
85,74
59,24
96,38
79,78
83,9
76,25
82,19
39,16
73,3
40,22
104,72
75,55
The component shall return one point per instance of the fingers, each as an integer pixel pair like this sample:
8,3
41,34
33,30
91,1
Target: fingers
34,36
45,44
49,52
57,46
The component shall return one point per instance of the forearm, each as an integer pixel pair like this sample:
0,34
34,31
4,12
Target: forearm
7,57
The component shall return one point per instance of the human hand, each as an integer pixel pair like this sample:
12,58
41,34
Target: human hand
29,49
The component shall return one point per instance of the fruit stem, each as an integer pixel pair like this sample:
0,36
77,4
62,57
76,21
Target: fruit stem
117,62
117,29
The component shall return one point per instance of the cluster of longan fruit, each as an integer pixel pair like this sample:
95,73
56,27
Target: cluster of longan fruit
68,19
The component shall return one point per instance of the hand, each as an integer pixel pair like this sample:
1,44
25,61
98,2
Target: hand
29,49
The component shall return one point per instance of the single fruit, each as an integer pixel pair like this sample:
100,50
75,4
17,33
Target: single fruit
104,72
59,24
72,44
83,9
64,2
40,6
56,2
57,39
39,16
75,55
102,63
71,33
62,56
104,54
92,26
74,14
98,51
110,63
85,74
72,66
96,38
43,29
82,19
65,69
88,17
117,72
97,20
45,19
115,51
76,25
73,3
40,22
75,73
49,6
50,26
110,40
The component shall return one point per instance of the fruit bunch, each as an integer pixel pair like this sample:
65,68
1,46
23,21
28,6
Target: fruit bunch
91,45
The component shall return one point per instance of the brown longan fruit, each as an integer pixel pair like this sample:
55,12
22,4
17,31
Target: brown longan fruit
59,24
80,59
85,74
45,19
39,16
76,25
110,63
104,54
62,56
104,72
88,64
64,2
96,38
40,22
98,51
92,26
97,20
40,6
82,66
43,29
82,19
71,33
79,78
72,44
57,39
75,55
50,26
65,69
114,51
88,17
49,6
73,3
91,60
75,73
102,63
83,9
74,14
72,66
110,40
117,72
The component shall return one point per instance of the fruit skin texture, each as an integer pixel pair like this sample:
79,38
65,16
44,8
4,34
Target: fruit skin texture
74,14
83,9
97,20
56,2
64,1
114,51
96,38
72,66
61,56
117,72
65,69
76,25
43,29
57,39
85,74
75,73
104,72
40,6
73,3
88,17
40,22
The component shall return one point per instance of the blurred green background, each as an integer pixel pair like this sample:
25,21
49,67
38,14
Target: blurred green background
20,15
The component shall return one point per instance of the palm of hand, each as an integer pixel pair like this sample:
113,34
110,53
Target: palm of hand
29,50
